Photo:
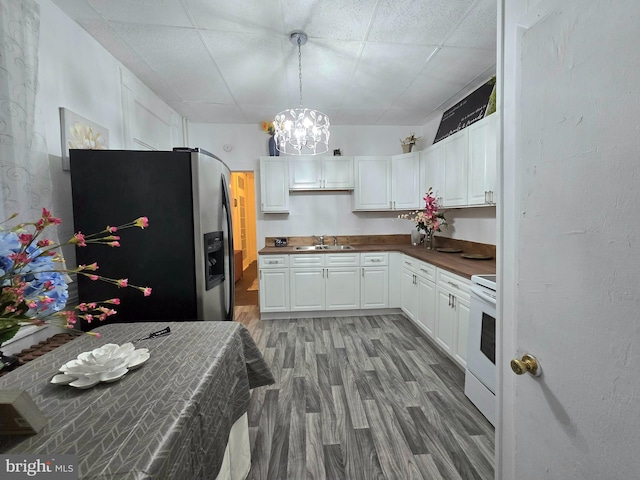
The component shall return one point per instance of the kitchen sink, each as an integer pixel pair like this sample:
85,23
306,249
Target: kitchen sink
324,247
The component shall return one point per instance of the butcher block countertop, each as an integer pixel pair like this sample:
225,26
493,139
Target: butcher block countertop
453,262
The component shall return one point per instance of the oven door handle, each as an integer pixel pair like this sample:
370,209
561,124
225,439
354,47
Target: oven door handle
483,295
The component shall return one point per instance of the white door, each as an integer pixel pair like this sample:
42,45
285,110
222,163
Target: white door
570,240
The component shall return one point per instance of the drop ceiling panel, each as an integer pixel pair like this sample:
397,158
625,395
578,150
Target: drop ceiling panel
150,12
473,31
366,60
179,56
450,70
251,65
384,72
417,22
344,20
249,16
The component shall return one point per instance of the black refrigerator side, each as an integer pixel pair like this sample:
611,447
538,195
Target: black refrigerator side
113,187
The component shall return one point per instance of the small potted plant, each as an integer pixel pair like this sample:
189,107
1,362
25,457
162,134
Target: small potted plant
409,142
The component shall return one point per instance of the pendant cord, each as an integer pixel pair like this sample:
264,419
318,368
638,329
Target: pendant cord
300,69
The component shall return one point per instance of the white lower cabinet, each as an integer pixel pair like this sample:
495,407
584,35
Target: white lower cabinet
274,283
452,313
418,293
374,286
324,282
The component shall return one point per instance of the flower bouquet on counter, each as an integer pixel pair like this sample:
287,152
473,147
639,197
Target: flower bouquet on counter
32,276
428,220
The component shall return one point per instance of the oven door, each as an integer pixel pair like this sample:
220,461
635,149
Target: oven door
481,346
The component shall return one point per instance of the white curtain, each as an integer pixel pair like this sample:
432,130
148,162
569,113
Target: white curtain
25,180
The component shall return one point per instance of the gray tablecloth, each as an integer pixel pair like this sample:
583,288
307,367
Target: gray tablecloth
168,419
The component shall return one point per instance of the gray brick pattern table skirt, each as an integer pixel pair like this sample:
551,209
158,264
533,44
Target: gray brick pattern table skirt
168,419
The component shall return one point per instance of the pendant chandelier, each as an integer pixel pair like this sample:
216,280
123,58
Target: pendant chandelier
301,131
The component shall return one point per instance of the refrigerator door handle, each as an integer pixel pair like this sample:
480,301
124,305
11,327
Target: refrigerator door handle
227,207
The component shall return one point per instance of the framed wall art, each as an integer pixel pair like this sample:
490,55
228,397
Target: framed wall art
78,132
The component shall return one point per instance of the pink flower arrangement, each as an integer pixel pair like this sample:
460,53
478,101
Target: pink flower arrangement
33,290
430,219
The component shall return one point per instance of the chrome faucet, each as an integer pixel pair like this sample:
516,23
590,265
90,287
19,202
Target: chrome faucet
335,240
319,239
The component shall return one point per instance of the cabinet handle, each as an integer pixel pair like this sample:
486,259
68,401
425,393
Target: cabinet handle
363,272
391,205
260,274
449,299
453,302
486,196
425,271
377,260
454,285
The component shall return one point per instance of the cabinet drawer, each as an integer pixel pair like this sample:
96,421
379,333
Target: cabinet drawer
315,260
426,270
342,259
273,261
377,258
454,283
410,263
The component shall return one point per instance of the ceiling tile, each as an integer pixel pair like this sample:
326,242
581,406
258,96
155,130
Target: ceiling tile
366,61
478,29
248,16
345,20
384,72
446,73
419,22
179,56
151,12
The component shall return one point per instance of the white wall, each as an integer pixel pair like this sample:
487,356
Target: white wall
330,213
77,73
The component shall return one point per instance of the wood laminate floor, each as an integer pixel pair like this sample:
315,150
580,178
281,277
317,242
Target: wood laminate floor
361,398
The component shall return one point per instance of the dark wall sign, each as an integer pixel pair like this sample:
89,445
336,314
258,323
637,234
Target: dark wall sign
464,113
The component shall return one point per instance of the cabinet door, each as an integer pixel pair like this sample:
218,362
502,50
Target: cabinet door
426,305
337,173
409,298
372,189
454,169
307,289
305,173
405,181
274,184
374,288
462,331
445,320
274,290
342,288
482,161
430,174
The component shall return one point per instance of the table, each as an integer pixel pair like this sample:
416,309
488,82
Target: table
168,419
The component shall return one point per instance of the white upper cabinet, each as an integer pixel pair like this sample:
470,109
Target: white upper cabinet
320,173
405,181
462,167
274,185
387,183
372,184
482,161
454,169
430,164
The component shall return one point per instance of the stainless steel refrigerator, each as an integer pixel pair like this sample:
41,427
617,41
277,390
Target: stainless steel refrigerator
185,254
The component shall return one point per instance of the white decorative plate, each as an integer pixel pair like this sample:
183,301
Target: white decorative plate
108,363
